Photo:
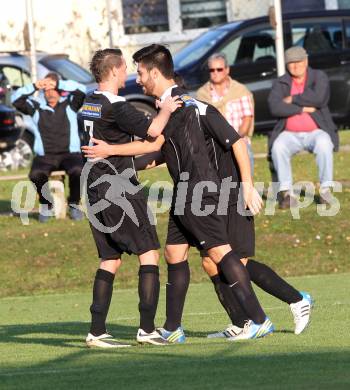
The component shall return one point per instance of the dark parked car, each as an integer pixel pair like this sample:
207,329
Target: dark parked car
9,131
250,48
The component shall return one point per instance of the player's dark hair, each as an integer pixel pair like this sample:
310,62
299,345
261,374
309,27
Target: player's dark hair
156,56
103,61
179,80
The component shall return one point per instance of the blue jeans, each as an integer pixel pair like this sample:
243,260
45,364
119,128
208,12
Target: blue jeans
289,143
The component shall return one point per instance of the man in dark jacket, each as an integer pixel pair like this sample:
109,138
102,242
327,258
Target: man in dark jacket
299,99
56,137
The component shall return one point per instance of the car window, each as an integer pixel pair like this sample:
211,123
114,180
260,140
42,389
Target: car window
16,77
68,69
251,47
317,37
26,78
197,48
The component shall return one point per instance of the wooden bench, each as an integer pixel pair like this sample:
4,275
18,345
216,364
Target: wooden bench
56,186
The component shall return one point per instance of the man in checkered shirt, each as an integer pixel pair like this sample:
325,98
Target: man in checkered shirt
232,99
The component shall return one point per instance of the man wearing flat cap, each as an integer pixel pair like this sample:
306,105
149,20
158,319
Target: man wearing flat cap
299,99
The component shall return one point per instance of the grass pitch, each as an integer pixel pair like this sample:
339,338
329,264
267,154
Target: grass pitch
60,256
42,344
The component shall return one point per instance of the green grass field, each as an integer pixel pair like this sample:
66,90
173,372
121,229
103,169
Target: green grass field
42,344
45,293
60,256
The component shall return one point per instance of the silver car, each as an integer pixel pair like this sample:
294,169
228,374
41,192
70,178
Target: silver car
16,68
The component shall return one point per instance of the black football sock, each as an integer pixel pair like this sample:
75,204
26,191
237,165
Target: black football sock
238,278
102,295
229,301
176,290
267,279
148,295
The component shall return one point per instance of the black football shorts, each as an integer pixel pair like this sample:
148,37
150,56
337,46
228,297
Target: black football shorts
203,232
241,233
126,226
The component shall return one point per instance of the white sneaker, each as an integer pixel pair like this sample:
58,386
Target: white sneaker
104,341
301,312
230,331
153,338
252,330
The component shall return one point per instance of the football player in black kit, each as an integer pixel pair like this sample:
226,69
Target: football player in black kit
184,147
240,228
117,208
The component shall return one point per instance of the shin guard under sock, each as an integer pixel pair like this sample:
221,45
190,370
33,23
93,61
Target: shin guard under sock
238,278
267,279
176,290
229,301
148,295
102,295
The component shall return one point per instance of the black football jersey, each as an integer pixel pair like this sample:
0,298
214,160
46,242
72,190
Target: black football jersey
112,119
199,141
220,136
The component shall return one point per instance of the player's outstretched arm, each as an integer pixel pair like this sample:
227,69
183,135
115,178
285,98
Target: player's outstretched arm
167,107
252,199
148,161
102,149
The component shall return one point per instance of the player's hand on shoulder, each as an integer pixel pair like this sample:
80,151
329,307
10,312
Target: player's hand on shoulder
100,149
171,103
252,199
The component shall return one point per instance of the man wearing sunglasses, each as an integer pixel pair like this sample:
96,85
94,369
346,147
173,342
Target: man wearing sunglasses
232,99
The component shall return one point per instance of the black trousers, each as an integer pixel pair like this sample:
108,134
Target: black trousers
42,167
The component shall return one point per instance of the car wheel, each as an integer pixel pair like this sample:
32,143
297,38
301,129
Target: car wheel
22,154
148,110
5,161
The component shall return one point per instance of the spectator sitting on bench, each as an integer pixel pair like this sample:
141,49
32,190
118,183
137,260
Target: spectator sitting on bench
299,99
56,138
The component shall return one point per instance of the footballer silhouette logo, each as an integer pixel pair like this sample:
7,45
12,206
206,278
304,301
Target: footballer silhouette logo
119,186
